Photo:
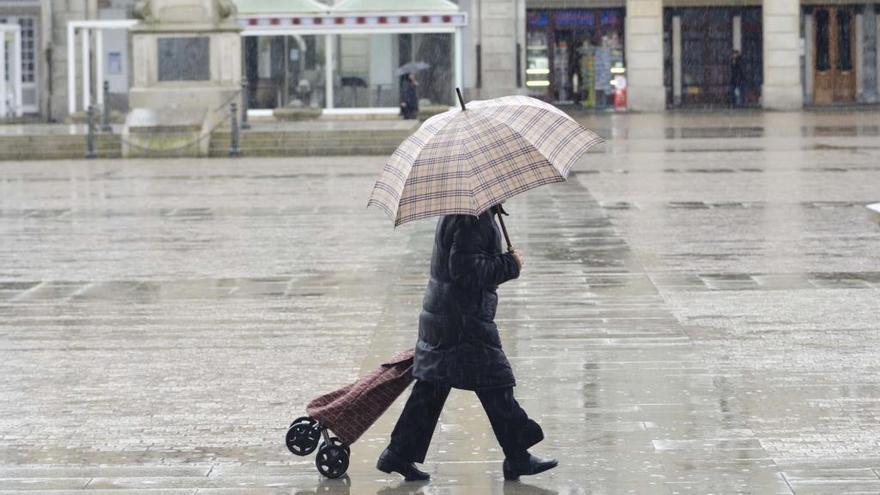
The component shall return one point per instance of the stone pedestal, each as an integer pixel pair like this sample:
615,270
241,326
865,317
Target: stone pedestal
782,75
187,69
644,55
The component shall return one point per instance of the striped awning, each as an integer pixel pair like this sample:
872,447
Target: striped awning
349,15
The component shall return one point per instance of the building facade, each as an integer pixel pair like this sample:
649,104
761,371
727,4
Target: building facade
680,53
45,55
664,53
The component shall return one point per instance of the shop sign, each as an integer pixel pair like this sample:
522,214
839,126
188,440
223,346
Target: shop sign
575,18
610,18
538,19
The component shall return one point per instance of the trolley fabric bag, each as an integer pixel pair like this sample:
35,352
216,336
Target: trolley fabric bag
351,410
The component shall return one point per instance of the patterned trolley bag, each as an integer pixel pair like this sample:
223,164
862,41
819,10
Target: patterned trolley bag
348,413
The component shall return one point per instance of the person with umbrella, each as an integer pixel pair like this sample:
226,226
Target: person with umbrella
462,165
409,95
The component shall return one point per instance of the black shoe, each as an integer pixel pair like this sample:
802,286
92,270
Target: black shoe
391,462
531,465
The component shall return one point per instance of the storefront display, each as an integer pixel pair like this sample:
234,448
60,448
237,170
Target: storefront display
573,55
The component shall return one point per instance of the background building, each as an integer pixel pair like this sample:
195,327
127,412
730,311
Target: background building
44,54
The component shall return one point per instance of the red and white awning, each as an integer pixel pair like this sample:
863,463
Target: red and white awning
329,23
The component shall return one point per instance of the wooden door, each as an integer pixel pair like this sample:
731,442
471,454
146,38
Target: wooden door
834,70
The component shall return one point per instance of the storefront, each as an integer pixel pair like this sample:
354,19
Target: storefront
344,58
573,55
699,45
840,53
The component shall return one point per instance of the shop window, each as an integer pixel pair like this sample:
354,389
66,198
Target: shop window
367,64
537,62
574,55
285,70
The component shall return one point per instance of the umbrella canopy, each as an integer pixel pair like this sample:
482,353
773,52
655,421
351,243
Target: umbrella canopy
411,67
466,161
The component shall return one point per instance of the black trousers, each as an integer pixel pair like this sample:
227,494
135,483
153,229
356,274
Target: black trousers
412,434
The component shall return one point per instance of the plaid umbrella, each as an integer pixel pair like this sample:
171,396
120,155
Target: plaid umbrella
465,161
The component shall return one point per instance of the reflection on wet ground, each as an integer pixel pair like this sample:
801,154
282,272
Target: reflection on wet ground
702,321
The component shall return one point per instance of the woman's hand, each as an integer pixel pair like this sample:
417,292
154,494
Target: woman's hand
518,256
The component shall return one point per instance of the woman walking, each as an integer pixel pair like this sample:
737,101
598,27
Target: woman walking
409,99
459,347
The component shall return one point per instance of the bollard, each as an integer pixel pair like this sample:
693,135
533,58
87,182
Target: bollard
105,120
244,105
234,150
90,133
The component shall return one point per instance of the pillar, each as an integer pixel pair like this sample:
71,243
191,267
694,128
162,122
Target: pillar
499,25
782,82
457,65
71,69
809,54
329,69
85,36
676,60
99,66
644,55
17,67
868,49
3,87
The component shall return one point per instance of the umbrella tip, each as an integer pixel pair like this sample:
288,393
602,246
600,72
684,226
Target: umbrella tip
460,99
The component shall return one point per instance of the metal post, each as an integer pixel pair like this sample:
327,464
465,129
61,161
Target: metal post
244,105
90,134
234,150
105,124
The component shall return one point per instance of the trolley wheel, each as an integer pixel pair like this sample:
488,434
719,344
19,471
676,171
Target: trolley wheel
332,460
306,420
303,436
339,443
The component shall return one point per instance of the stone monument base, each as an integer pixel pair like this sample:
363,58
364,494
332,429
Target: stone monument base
175,120
149,133
186,72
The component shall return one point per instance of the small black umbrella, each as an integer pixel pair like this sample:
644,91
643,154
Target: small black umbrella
411,67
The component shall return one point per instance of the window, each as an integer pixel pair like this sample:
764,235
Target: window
822,40
28,47
844,37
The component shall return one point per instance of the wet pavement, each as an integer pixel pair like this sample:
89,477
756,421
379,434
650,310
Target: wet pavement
698,314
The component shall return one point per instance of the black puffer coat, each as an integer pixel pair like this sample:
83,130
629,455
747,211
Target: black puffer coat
458,342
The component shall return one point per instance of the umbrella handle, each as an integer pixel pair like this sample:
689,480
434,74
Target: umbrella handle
498,211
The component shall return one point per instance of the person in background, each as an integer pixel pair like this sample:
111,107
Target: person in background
736,79
409,96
